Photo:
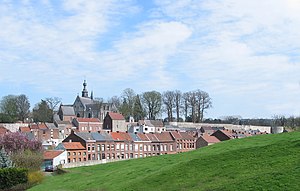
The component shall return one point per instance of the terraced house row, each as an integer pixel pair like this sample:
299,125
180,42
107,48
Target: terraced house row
84,146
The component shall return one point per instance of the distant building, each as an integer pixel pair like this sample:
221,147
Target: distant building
206,140
114,122
86,107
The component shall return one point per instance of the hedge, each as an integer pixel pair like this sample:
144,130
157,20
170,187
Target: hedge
12,176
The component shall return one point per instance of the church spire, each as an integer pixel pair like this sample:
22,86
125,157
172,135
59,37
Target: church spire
85,93
92,95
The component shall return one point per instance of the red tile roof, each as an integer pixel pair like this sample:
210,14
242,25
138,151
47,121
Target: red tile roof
3,130
38,126
143,136
164,136
176,134
73,145
24,129
52,154
85,120
210,139
186,136
151,137
116,116
120,136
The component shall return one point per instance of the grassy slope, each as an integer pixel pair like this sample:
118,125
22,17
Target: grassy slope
265,162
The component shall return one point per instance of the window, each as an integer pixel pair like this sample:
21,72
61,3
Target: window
98,147
84,153
93,157
141,147
118,146
161,147
74,160
112,147
69,153
136,147
108,147
145,147
103,147
74,153
79,159
89,148
149,147
165,147
146,129
130,147
122,146
171,147
93,148
126,147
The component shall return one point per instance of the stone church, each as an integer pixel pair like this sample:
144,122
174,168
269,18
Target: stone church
86,107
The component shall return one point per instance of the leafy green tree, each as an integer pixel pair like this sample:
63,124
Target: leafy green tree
42,113
152,102
8,107
138,111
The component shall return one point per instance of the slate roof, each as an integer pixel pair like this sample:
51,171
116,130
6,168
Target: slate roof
67,110
85,136
73,145
51,154
51,126
85,100
134,137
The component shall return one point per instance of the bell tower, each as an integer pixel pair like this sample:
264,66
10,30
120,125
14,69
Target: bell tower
85,93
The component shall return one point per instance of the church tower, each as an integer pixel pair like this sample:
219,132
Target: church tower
85,93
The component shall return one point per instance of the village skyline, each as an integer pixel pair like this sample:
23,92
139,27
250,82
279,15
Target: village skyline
244,54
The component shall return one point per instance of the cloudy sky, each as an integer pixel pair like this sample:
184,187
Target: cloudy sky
245,54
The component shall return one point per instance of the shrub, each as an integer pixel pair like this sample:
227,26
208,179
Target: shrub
28,159
10,177
35,177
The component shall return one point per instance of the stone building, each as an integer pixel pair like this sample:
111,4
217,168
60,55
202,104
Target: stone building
87,107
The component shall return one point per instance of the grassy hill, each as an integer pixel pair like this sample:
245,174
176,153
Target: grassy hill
264,162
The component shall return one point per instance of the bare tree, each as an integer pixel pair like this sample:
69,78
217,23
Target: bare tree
152,103
115,102
177,102
168,101
203,103
53,103
129,97
23,107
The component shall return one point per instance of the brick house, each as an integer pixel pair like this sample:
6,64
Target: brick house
114,122
124,145
166,142
206,140
223,135
147,151
184,141
87,124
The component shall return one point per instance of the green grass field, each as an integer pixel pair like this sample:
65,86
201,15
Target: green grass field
264,162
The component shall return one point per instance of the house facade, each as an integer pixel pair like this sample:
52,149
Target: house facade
114,122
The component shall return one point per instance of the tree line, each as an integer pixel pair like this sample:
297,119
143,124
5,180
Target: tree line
15,108
178,106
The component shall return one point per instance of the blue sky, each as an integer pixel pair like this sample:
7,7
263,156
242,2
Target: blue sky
245,54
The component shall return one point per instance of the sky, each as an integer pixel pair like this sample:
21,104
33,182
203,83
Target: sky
245,54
